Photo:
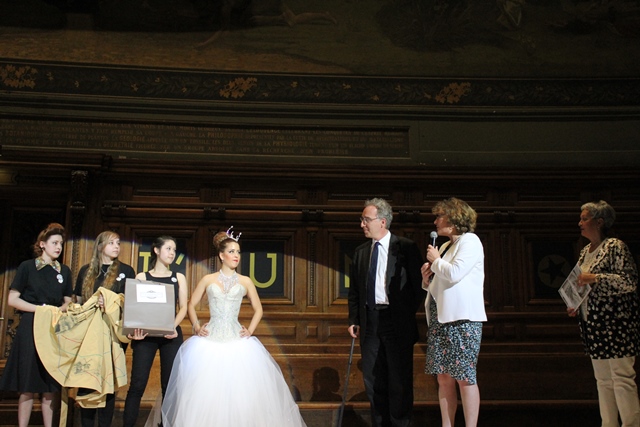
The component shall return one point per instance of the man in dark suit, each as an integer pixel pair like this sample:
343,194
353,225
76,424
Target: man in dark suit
384,294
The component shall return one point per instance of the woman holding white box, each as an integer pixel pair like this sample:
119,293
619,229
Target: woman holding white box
145,347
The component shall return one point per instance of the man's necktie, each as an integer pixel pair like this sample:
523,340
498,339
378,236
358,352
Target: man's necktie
371,277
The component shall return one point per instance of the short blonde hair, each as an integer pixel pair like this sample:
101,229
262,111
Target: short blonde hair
458,212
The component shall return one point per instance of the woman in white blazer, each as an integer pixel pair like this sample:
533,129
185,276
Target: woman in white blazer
454,279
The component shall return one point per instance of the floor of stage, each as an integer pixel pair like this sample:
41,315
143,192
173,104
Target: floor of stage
492,414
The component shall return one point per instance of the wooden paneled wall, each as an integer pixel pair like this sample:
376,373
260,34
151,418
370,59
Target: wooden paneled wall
527,222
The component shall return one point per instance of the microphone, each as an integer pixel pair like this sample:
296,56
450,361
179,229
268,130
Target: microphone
433,235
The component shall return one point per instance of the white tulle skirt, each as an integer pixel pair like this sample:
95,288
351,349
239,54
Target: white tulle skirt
227,384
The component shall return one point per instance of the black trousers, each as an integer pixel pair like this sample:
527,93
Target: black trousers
387,368
105,415
144,351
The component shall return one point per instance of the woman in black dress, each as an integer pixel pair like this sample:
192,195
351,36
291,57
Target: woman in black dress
39,281
104,270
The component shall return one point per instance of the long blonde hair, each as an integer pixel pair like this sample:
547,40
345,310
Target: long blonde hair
95,266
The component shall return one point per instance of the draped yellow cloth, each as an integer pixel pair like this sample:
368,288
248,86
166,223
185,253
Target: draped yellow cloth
81,348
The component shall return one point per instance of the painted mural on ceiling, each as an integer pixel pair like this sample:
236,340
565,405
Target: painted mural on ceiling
413,38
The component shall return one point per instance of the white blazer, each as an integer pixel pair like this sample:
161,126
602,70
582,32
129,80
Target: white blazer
458,281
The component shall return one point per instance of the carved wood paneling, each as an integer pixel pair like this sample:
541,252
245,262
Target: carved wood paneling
309,220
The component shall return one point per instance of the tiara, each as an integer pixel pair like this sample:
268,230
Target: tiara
230,234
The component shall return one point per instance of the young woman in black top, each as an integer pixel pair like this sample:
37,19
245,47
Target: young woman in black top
145,348
104,270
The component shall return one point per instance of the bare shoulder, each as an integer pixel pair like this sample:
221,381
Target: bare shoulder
245,281
209,278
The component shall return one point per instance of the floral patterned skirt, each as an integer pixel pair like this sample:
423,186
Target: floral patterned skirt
452,348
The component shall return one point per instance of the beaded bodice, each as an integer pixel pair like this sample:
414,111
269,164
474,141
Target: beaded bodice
224,308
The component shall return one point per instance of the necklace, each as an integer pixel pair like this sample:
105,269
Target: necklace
104,270
227,281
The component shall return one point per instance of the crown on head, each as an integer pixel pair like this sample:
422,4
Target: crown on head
231,236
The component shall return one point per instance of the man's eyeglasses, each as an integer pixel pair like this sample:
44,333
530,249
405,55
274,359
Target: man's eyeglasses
366,219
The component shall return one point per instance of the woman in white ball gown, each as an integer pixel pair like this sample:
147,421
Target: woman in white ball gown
223,376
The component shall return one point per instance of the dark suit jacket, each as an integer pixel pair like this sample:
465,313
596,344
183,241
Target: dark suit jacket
404,286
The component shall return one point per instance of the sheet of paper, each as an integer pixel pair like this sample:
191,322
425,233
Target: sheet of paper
573,294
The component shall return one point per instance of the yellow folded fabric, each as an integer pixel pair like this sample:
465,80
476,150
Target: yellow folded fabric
81,348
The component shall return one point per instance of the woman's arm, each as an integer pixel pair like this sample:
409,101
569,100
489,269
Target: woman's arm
18,303
466,256
252,294
616,273
195,299
183,297
65,304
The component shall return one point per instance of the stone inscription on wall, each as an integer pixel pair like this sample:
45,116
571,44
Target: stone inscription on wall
124,138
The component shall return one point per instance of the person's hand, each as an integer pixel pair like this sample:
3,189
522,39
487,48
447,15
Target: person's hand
354,331
101,302
427,274
432,253
586,279
572,312
173,335
202,330
138,334
245,333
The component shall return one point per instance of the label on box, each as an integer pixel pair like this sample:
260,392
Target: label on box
151,293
